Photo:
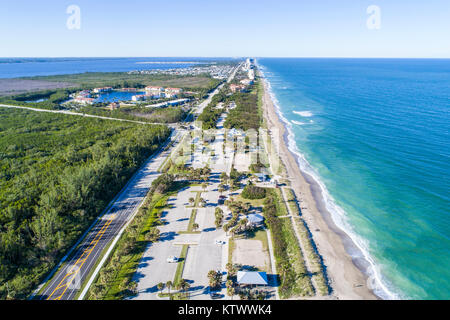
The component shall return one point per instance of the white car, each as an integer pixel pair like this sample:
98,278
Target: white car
172,259
219,242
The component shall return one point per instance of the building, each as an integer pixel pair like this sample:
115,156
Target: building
252,278
84,100
255,220
237,88
177,102
113,106
174,90
262,177
170,95
251,74
84,93
104,89
154,90
246,82
139,97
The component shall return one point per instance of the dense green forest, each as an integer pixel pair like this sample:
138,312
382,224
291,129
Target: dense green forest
58,172
246,115
146,114
210,113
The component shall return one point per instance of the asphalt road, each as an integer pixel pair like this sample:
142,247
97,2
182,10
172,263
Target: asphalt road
67,281
65,284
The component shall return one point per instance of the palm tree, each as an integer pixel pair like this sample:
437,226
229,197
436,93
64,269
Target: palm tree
218,211
160,286
226,228
195,226
185,286
191,200
230,289
231,269
169,285
204,186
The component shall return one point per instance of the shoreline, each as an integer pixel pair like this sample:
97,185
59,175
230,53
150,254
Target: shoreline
344,263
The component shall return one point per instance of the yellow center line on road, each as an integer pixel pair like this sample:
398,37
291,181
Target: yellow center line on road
75,269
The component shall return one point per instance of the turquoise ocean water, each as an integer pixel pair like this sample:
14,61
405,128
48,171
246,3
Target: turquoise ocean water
375,134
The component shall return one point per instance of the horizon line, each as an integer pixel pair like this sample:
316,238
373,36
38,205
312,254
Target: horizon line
221,57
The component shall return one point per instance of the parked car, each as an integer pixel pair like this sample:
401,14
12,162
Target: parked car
172,259
219,242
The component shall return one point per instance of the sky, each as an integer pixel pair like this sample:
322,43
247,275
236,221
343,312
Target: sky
213,28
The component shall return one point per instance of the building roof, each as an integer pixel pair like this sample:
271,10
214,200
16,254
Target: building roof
255,218
252,277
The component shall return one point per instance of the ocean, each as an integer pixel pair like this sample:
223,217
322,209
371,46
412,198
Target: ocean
374,133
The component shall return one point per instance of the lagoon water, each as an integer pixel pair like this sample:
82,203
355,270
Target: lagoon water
375,133
27,67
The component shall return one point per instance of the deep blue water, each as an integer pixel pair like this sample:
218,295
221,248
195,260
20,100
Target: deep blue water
375,133
26,67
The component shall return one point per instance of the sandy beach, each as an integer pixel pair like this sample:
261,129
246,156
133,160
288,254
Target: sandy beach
345,273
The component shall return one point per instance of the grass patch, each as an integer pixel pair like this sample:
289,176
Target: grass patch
231,247
180,266
301,286
294,278
192,220
255,203
318,273
281,209
174,296
292,201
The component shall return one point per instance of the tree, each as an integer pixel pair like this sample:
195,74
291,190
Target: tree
230,289
215,277
221,188
152,235
204,186
169,285
224,177
195,226
184,286
132,287
231,269
191,200
160,286
226,228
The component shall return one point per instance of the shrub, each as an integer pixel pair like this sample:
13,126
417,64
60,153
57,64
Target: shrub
253,192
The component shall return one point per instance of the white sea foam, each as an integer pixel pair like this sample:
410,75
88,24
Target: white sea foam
298,122
380,285
304,113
